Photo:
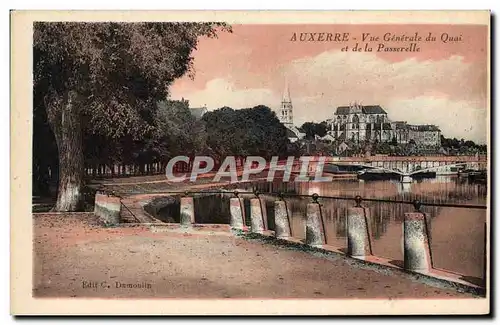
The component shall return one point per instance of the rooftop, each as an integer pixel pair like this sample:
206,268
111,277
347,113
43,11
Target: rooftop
400,125
427,127
368,109
291,134
198,112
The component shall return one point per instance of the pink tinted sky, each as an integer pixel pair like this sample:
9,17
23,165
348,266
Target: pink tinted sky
443,84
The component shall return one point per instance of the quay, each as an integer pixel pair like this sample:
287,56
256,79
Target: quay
201,262
417,251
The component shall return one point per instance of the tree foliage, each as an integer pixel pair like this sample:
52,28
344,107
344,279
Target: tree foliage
177,131
245,132
312,129
462,146
99,85
119,70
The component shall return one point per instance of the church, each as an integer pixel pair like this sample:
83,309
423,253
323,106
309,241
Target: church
285,115
358,123
361,123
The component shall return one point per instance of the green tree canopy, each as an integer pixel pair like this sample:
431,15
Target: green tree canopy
244,132
105,79
177,132
311,129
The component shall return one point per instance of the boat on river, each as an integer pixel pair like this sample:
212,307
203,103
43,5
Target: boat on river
479,176
465,173
378,175
341,170
381,174
421,175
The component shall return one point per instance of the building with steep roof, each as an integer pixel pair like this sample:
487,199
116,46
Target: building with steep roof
198,112
370,123
328,137
358,123
370,109
294,134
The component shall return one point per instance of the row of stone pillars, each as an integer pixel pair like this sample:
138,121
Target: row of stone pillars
417,253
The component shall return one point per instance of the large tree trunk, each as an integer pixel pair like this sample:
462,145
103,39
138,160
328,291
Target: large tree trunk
64,117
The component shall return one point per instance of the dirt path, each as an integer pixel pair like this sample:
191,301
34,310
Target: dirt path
74,257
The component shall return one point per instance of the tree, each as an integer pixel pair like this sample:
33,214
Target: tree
322,129
311,129
219,124
470,144
44,162
244,132
176,131
461,146
410,148
271,134
105,79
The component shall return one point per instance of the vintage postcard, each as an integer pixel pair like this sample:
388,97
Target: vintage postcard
243,163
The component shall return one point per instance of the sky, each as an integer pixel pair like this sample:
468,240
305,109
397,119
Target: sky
445,83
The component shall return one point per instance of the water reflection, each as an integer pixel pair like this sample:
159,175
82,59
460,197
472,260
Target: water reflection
404,188
457,235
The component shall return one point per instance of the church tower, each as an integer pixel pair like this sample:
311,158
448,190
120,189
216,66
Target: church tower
286,110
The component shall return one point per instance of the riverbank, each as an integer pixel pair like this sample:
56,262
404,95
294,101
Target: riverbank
75,257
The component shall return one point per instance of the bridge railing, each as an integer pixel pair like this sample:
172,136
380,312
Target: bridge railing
387,158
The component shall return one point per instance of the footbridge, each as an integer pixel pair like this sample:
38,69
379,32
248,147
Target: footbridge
407,176
410,165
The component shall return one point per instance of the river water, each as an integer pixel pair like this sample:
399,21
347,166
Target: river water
457,235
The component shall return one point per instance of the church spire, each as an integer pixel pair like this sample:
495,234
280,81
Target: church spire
286,93
286,110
